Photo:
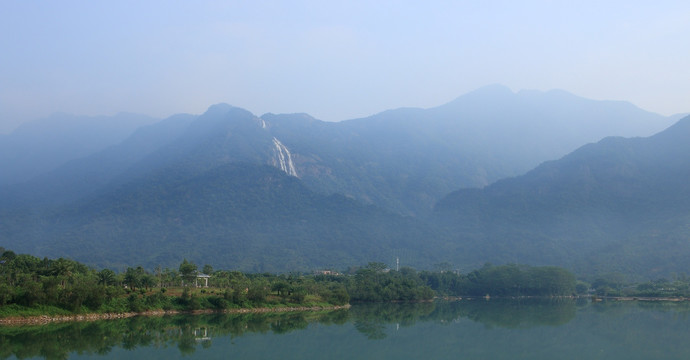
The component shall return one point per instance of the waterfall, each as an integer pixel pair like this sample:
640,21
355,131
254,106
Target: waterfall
283,158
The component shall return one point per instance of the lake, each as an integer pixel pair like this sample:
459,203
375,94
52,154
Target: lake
467,329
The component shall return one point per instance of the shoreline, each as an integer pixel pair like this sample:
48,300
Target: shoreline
46,319
591,297
639,298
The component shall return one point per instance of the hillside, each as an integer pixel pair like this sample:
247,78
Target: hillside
622,204
239,216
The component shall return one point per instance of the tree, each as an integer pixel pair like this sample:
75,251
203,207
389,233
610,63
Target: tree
132,278
63,269
377,266
188,271
159,275
148,281
106,277
6,294
281,287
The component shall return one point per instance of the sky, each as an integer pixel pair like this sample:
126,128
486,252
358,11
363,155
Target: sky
334,60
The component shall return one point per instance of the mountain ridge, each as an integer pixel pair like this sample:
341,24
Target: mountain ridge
39,146
361,190
623,191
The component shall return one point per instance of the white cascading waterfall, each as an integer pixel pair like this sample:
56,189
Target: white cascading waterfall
283,158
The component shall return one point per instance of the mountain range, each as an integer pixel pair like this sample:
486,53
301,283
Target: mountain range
621,204
289,192
40,146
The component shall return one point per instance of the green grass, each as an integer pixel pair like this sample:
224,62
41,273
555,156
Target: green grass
39,310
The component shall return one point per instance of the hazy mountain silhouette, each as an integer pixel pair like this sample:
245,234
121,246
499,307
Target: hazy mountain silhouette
81,177
285,192
39,146
407,159
620,204
403,160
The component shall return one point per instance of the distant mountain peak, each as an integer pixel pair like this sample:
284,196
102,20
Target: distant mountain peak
219,108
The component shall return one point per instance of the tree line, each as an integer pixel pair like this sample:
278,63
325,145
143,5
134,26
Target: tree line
66,286
504,280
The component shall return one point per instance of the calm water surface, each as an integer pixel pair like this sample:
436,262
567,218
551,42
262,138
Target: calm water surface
476,329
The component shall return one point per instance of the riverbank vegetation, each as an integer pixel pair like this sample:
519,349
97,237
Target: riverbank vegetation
30,286
503,280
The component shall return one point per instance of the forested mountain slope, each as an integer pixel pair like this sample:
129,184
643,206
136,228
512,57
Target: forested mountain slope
240,216
622,204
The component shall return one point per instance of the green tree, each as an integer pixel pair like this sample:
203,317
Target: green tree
6,294
64,269
148,281
281,287
188,271
133,277
106,277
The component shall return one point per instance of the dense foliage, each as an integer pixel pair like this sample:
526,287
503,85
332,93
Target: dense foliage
377,283
254,218
33,286
30,285
504,280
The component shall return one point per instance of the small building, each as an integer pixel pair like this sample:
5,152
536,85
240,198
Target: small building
326,272
202,276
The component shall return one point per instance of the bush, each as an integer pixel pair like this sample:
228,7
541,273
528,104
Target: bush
6,294
218,302
194,303
257,294
135,303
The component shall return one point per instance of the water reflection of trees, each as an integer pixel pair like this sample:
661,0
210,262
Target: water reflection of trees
371,319
522,313
189,333
186,332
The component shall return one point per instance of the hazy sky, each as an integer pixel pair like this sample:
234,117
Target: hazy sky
333,60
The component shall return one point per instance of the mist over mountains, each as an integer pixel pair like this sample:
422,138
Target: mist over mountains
622,204
42,145
289,192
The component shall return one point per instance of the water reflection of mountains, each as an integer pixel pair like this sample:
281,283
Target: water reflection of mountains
189,332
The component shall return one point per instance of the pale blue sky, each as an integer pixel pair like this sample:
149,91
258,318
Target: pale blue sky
333,60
